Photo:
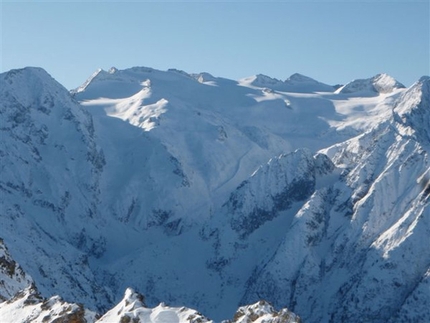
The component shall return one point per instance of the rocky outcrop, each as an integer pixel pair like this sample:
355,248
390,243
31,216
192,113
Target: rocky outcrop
273,188
12,276
263,311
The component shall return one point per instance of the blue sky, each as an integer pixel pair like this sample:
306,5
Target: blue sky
333,42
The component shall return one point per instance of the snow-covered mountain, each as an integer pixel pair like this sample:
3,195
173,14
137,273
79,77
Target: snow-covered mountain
381,83
25,304
208,193
295,83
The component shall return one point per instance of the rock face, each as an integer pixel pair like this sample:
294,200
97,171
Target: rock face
12,278
209,193
21,301
50,182
273,188
29,306
375,211
262,311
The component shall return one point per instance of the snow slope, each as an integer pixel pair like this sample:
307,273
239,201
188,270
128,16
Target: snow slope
381,83
29,306
25,304
295,83
354,241
133,308
201,191
12,278
50,172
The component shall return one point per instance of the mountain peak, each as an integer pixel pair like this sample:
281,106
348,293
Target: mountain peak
263,311
380,83
300,78
412,108
384,83
301,83
262,80
28,85
29,70
26,75
295,83
133,309
204,77
84,86
113,70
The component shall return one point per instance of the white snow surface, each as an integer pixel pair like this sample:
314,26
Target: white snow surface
381,83
208,193
295,83
28,306
132,306
263,312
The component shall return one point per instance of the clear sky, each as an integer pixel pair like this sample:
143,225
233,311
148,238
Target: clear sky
331,41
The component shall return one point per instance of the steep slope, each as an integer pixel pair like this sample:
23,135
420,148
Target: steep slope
354,241
12,278
132,309
239,128
50,170
276,187
29,306
22,302
263,312
381,83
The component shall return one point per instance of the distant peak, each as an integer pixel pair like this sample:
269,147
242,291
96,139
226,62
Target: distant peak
180,72
415,98
424,78
268,79
27,72
384,83
33,81
132,297
295,83
263,311
204,77
88,81
380,83
261,80
113,70
264,76
296,77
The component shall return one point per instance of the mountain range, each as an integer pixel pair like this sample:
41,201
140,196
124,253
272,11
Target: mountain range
200,191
